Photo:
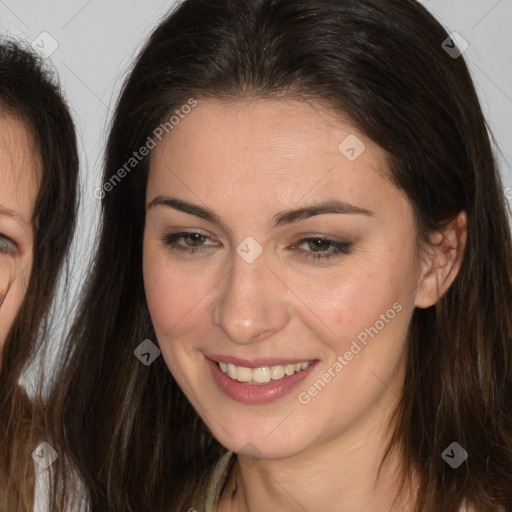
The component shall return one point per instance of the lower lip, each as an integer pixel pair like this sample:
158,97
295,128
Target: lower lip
254,393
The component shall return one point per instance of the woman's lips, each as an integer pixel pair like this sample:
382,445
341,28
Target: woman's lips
258,384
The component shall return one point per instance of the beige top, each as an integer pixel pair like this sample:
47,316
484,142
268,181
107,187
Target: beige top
220,474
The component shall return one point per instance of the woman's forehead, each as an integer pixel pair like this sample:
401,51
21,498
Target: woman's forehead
286,151
19,169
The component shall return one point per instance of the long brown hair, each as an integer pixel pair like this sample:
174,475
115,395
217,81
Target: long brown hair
30,92
135,439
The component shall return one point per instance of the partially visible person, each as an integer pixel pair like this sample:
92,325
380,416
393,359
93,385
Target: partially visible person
38,196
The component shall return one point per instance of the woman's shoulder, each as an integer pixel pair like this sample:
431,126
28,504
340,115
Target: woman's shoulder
77,501
217,481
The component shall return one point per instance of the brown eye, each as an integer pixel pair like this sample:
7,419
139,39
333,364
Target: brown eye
323,248
186,241
194,239
318,244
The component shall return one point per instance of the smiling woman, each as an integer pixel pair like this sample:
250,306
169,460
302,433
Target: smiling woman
38,174
327,222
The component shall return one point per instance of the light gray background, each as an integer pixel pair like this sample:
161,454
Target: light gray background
98,39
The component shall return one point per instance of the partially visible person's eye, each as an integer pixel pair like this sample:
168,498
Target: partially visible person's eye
7,245
322,248
192,242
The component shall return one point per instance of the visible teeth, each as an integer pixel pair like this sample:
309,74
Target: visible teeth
243,374
232,371
277,372
263,374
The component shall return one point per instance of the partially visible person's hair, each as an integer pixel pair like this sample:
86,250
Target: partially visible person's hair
128,428
30,92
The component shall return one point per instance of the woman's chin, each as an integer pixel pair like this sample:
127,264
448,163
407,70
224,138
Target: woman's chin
254,442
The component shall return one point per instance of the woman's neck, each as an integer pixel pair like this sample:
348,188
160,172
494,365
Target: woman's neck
339,476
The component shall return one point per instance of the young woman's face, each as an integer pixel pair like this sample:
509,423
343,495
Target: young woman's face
273,238
19,171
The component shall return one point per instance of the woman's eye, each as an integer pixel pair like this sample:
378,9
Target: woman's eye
187,241
313,247
7,245
322,248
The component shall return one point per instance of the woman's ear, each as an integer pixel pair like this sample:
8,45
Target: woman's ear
442,261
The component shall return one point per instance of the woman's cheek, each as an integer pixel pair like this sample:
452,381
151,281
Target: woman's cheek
342,302
172,292
14,278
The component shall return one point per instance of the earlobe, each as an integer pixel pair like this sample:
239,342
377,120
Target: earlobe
443,261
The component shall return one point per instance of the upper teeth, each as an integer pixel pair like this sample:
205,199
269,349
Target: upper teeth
263,374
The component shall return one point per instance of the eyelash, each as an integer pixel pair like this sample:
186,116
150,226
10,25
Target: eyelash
4,241
339,248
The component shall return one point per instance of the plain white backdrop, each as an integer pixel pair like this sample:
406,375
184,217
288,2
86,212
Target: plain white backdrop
92,43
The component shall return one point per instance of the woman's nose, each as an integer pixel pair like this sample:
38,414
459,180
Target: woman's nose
251,304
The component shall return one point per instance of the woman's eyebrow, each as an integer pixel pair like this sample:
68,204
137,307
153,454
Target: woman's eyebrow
321,208
279,219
